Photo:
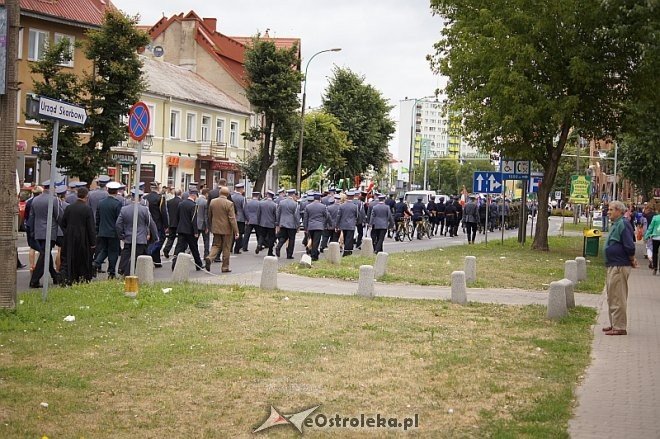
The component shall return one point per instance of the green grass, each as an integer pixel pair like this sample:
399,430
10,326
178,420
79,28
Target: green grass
208,361
569,226
498,266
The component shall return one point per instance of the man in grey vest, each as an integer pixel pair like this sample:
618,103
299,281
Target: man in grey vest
266,216
315,219
381,219
238,198
251,211
287,220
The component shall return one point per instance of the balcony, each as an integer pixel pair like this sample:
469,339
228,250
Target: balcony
213,149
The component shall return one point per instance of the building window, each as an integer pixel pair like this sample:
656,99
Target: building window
191,128
72,41
233,134
37,44
219,131
152,119
20,43
206,128
171,176
175,124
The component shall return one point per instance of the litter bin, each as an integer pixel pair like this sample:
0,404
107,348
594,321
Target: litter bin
591,239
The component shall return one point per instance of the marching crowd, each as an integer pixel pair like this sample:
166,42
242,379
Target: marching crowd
89,227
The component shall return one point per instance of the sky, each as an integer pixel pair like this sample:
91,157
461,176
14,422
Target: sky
385,41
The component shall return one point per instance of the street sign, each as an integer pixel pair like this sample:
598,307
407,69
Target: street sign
138,121
65,112
514,169
557,195
487,182
580,189
534,183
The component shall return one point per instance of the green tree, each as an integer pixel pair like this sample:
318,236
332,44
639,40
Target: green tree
272,90
525,74
107,93
639,145
324,144
364,115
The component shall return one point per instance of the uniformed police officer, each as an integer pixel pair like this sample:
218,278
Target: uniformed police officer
287,220
146,230
315,219
158,210
419,211
37,223
108,244
251,222
266,217
348,216
380,220
98,194
330,234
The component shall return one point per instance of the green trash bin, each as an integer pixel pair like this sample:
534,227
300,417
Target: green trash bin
591,242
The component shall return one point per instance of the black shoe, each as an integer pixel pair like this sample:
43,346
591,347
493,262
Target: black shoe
158,265
111,276
166,254
289,257
277,252
207,262
270,254
37,285
217,260
257,250
237,252
20,266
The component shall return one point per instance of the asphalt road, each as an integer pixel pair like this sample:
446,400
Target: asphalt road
250,262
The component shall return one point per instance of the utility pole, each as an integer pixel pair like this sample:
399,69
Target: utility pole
8,196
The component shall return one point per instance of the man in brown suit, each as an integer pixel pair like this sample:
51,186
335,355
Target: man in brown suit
222,221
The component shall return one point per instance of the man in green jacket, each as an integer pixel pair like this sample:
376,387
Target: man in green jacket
653,233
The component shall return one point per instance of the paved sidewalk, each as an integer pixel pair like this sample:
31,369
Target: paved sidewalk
620,394
290,282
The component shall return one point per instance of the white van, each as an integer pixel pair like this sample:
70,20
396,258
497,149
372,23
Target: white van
411,197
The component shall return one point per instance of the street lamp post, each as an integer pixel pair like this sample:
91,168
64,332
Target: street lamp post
302,119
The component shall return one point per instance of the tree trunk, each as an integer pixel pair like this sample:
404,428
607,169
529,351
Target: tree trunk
8,196
549,174
266,157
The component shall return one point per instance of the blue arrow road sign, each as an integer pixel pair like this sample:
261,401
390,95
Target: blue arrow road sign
487,182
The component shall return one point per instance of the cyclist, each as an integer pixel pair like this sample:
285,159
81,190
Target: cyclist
433,211
419,211
401,210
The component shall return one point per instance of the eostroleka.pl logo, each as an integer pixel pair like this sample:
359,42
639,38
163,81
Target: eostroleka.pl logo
305,418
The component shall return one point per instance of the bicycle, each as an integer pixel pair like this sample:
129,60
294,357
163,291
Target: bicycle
424,228
404,229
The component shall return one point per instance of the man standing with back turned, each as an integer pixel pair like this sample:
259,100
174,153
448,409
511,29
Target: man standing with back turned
619,258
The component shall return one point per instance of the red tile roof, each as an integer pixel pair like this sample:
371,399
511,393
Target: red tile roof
89,12
228,51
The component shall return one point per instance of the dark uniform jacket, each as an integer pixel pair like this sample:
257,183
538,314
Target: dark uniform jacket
187,217
158,209
173,212
107,213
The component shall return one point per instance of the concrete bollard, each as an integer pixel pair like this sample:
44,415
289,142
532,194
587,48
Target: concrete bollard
380,267
581,268
557,301
334,255
470,268
568,291
184,263
144,270
306,261
367,248
269,273
570,271
366,281
458,288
